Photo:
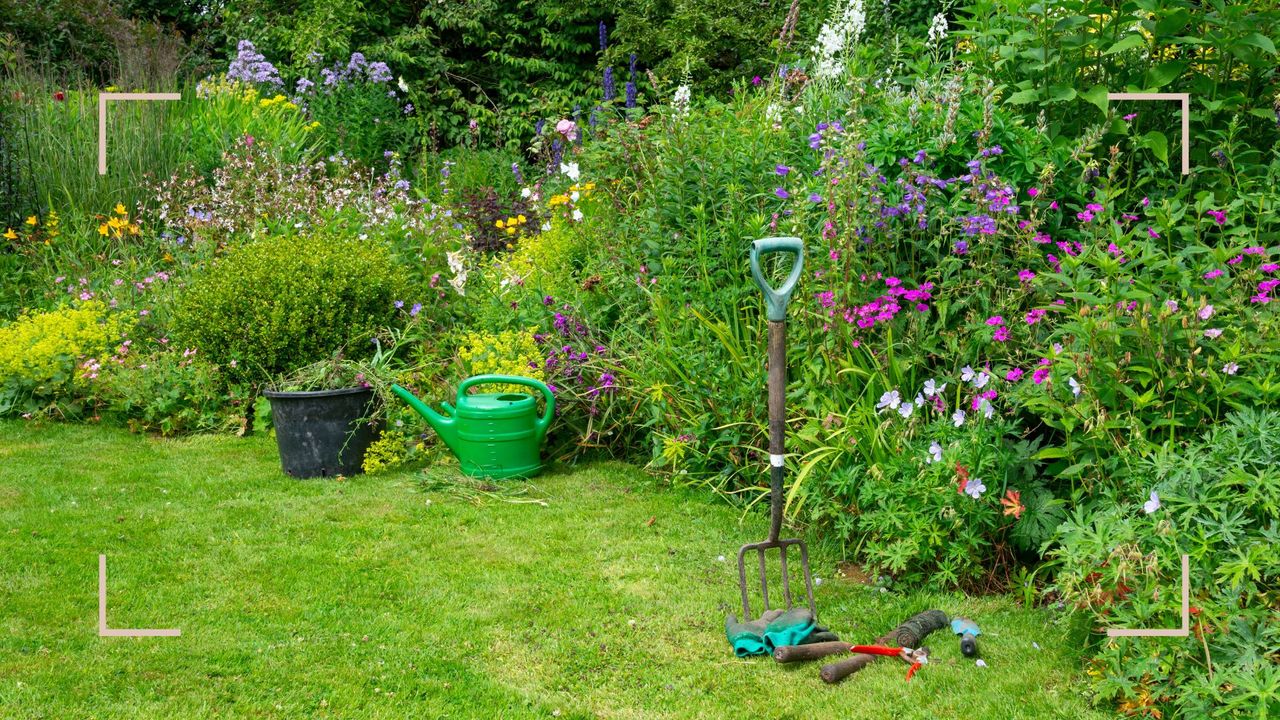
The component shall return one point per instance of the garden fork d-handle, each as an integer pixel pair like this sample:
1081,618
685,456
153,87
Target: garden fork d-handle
776,299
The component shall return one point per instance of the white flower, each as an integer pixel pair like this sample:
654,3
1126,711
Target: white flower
974,488
937,30
834,39
957,417
931,388
680,101
574,196
935,453
1075,386
966,373
980,381
1230,368
905,409
525,193
404,86
545,226
571,170
889,400
577,214
1151,505
987,409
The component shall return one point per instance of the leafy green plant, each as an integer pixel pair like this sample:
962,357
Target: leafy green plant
274,305
1218,502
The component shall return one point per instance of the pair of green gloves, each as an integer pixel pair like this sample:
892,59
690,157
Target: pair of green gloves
774,629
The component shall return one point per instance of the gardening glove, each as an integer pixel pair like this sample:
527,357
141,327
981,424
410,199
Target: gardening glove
747,638
774,628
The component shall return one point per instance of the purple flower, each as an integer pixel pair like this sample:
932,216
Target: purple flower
1001,334
1026,275
1219,216
609,93
782,193
756,81
961,247
1214,273
781,169
995,320
1130,117
1013,375
604,36
631,94
815,198
417,308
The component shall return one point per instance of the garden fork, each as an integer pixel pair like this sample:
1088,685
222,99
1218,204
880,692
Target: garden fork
776,300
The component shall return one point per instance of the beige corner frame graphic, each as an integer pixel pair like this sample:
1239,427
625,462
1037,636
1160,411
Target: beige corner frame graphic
102,118
103,630
1185,99
1185,630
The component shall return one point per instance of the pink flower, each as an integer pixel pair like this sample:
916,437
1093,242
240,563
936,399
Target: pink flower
1001,334
1152,232
1053,205
1032,192
1040,375
1214,273
995,320
1035,315
1205,312
1013,375
1026,275
1219,216
568,128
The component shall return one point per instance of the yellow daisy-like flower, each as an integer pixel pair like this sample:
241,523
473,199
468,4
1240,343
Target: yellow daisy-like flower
32,220
102,229
10,234
511,230
120,209
522,219
499,224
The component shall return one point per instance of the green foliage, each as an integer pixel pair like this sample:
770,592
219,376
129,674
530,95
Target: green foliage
1062,58
47,358
1218,503
274,305
170,392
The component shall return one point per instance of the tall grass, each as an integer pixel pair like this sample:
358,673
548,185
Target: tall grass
56,140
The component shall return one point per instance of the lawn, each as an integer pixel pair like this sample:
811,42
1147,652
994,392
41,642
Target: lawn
377,597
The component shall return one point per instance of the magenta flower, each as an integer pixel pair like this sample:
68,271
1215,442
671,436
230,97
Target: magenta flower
1214,273
1001,334
1035,316
1032,192
1040,375
1130,117
1013,375
1084,216
995,320
1219,216
1026,276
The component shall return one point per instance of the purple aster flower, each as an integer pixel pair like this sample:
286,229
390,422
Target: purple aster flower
782,193
781,169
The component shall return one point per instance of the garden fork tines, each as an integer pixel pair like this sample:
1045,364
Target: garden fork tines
776,300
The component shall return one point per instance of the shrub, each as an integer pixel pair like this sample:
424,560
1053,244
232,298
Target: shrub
46,357
1217,501
276,304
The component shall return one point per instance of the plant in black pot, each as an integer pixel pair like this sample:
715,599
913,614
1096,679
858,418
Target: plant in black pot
326,415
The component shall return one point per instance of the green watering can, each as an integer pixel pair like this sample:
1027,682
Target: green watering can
494,435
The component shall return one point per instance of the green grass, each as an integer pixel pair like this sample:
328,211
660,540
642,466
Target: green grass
374,598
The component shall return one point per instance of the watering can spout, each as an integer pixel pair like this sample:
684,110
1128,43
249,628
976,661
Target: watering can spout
445,427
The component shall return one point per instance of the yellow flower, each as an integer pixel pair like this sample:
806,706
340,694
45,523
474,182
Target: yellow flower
102,229
511,230
32,220
120,209
522,219
499,224
10,234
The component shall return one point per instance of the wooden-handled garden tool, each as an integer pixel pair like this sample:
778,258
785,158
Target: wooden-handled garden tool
908,635
776,300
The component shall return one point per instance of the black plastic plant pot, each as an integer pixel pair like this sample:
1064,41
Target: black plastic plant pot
320,432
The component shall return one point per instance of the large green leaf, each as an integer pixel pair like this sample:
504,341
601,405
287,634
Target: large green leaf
1097,96
1260,41
1128,42
1158,144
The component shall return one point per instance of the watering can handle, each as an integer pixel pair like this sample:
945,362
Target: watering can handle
538,385
776,299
